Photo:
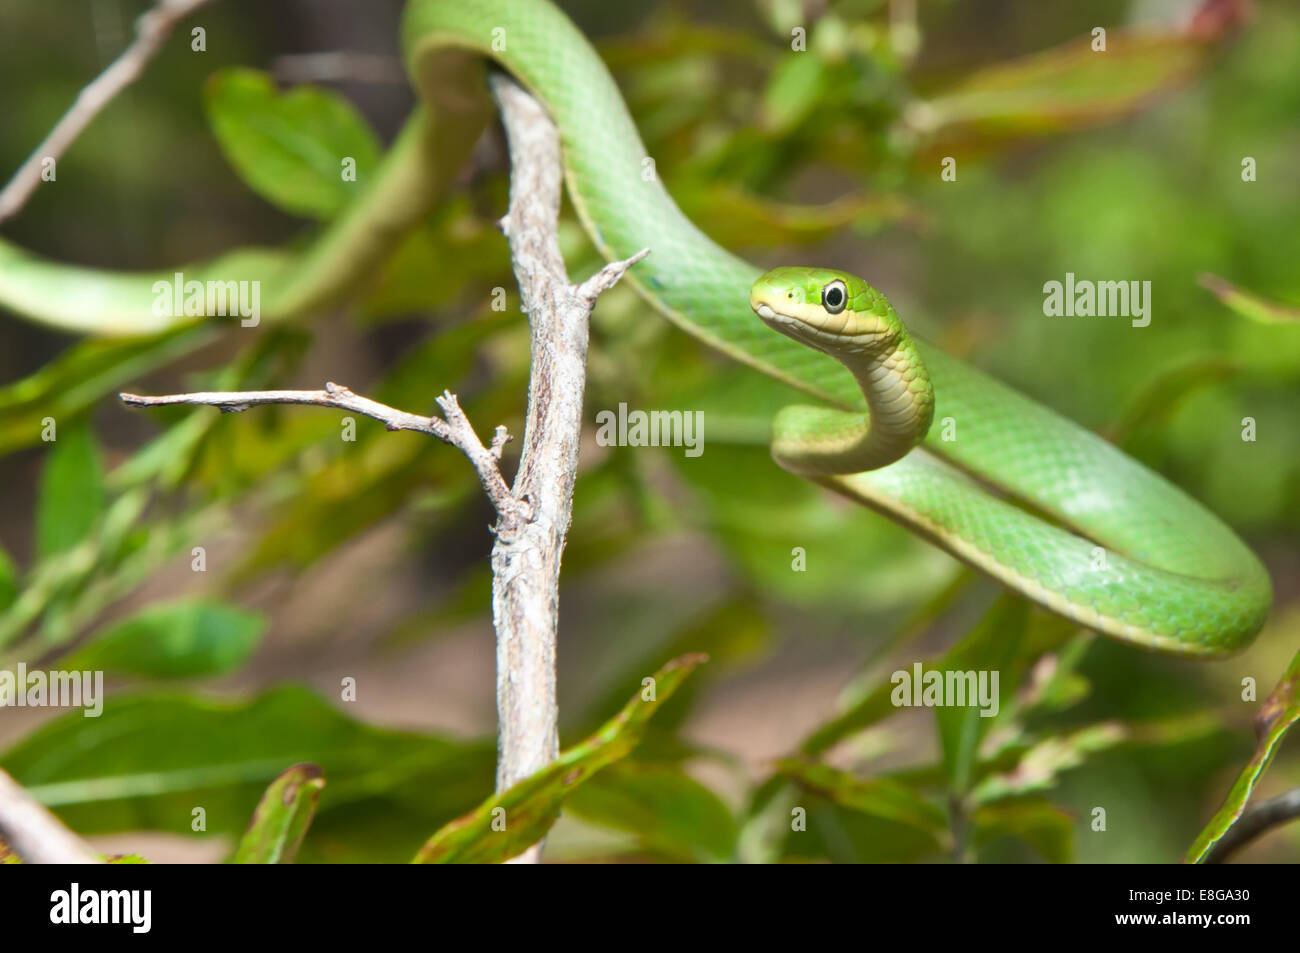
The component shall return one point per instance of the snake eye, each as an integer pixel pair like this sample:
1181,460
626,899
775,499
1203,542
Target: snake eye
835,296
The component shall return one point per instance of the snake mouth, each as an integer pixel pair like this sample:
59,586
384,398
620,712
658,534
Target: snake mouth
807,329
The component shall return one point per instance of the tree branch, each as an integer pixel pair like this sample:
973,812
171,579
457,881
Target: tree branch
151,32
534,514
455,429
36,835
526,564
1261,818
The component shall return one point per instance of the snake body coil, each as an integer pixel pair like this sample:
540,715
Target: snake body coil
1132,556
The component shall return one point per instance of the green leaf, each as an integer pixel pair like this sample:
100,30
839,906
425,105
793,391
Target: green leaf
71,494
668,811
1039,766
82,375
795,88
995,646
740,219
290,148
531,806
882,798
1278,713
1161,397
282,817
1066,87
185,639
1249,305
8,580
1046,828
150,759
729,632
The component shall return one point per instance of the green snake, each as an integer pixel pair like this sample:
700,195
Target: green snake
1045,507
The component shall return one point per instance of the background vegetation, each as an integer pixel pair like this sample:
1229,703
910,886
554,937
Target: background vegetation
329,559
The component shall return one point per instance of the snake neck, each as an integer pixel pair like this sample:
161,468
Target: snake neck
900,406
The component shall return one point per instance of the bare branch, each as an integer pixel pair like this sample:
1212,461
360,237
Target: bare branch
608,277
455,430
535,513
1256,821
526,565
36,835
499,441
151,32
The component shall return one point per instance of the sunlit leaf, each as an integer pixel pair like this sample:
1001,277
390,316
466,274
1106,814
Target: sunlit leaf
1037,769
290,147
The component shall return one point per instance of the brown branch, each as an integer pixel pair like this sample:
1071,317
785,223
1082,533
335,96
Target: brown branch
526,564
455,430
534,514
151,32
36,835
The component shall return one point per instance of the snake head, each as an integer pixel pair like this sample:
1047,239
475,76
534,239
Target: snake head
830,310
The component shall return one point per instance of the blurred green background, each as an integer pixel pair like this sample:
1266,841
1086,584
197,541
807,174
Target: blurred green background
329,559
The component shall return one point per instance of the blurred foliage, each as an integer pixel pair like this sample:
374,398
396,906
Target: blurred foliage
1125,163
525,811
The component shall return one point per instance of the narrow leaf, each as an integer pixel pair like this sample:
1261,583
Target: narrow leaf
282,817
1046,828
8,581
664,807
879,797
512,821
71,494
1250,305
1068,87
1278,713
994,648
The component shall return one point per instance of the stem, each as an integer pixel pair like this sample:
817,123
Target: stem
526,563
